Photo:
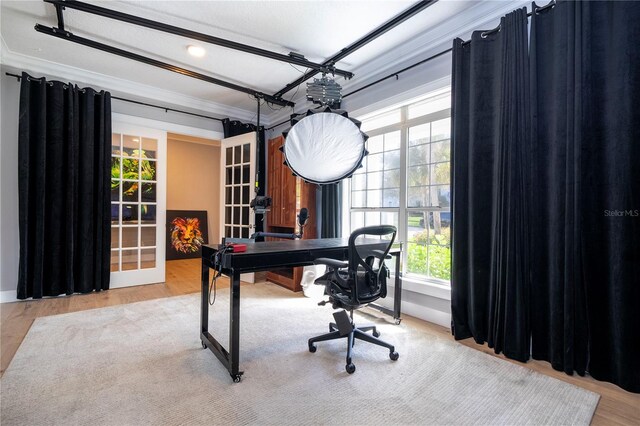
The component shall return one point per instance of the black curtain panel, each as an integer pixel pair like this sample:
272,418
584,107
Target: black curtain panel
491,148
234,128
329,204
64,188
586,269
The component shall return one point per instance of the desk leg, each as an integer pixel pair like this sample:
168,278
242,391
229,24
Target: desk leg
204,306
234,328
397,291
231,358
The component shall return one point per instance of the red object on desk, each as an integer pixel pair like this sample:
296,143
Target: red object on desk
237,247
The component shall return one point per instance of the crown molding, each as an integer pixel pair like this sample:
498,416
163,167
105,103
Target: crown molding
114,84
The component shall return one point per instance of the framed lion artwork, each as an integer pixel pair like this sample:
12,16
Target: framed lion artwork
187,231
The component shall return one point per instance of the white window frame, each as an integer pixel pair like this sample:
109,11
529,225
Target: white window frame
412,282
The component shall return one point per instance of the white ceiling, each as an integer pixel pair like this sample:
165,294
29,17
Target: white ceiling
316,29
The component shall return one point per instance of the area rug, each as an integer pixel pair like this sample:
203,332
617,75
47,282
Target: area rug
143,364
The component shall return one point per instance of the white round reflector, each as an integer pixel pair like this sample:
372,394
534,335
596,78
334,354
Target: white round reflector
324,148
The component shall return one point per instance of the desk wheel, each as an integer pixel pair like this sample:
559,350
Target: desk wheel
350,368
204,346
393,355
398,321
237,378
312,348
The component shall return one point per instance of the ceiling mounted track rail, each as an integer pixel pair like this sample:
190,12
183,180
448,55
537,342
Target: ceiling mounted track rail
413,10
171,29
66,35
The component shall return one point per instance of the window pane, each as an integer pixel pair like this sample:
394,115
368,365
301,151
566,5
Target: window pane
392,159
115,213
130,236
115,259
374,180
148,213
229,157
149,192
371,218
418,175
149,148
130,191
130,213
131,146
391,179
440,173
147,170
357,220
441,151
115,143
245,194
115,237
147,258
358,199
375,144
129,260
391,198
419,134
419,154
417,196
440,196
228,176
440,129
237,159
115,190
375,162
358,182
148,236
392,141
246,153
374,198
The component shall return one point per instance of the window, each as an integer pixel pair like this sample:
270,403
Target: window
405,181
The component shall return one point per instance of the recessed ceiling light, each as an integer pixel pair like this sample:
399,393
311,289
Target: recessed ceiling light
196,51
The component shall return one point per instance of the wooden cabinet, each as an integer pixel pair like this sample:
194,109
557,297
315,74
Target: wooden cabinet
288,195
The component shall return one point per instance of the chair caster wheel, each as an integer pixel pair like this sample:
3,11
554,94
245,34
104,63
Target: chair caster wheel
376,333
394,356
203,345
350,368
398,321
237,379
312,348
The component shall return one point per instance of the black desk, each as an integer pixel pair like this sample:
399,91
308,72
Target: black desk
263,257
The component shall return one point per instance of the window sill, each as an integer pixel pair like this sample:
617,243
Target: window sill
432,289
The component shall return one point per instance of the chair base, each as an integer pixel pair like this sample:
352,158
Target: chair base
339,330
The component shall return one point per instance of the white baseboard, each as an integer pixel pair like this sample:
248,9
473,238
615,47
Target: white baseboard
428,314
8,296
420,311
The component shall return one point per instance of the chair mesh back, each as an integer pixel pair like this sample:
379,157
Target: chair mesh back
367,269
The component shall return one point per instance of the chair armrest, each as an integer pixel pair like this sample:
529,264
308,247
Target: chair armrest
334,263
381,253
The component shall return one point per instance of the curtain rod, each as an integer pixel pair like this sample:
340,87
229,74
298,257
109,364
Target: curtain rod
380,80
537,10
166,109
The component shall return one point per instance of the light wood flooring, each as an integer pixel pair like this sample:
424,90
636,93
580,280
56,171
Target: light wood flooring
616,407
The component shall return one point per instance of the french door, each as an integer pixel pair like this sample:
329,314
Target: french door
138,205
237,158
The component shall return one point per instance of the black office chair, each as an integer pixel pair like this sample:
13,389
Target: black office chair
352,284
